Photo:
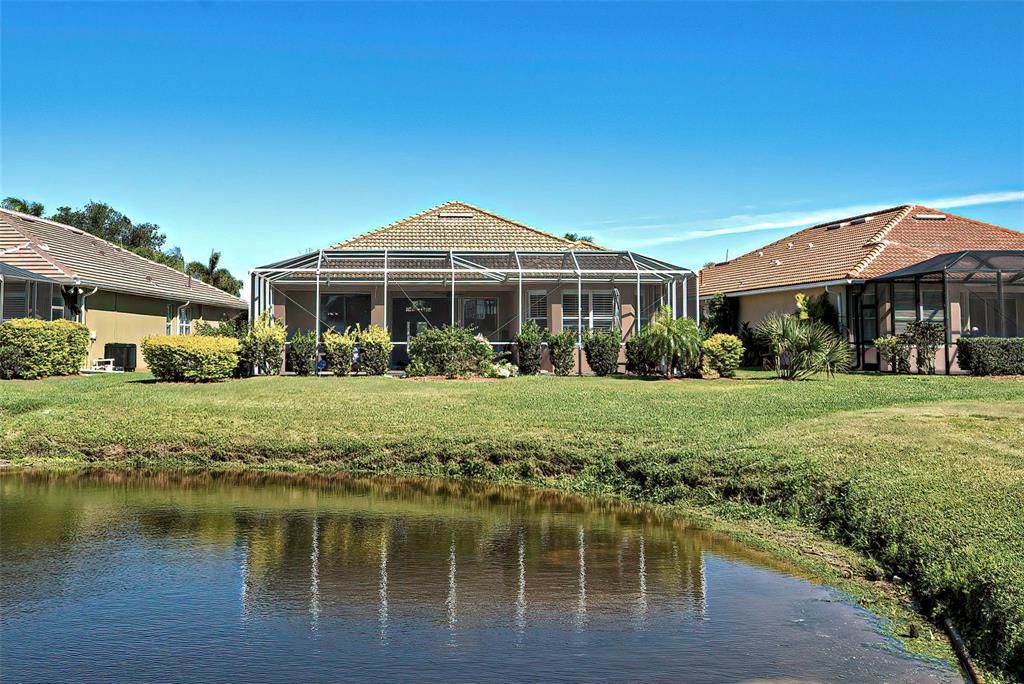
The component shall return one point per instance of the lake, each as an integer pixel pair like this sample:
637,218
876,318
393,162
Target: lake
118,577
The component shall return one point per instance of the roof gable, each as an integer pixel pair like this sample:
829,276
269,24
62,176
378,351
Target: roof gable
462,226
856,247
67,254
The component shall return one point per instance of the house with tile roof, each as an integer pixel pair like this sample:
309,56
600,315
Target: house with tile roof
51,270
883,270
458,264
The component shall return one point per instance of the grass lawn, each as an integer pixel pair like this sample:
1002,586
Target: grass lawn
925,475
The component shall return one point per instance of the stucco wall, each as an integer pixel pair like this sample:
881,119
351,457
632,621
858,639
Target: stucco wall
754,308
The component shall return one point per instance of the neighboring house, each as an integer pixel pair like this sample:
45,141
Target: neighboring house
462,265
121,296
884,270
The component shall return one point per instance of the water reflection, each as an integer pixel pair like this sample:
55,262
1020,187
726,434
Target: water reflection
452,581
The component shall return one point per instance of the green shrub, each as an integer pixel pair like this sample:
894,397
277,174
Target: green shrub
229,327
10,363
190,357
723,354
927,337
562,348
721,313
991,355
602,349
450,351
302,352
801,348
754,346
676,342
529,345
263,345
338,350
43,348
895,351
374,350
641,357
499,369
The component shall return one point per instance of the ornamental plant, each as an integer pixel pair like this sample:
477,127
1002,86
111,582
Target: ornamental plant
562,347
192,358
895,351
529,345
801,348
36,349
641,357
263,346
374,344
450,351
602,350
339,349
991,355
676,342
302,352
723,354
926,337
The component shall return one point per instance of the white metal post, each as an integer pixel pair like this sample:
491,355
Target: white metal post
2,298
579,324
519,271
451,258
386,291
672,296
696,288
686,298
317,304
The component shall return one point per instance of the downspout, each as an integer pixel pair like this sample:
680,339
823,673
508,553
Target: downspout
1,297
179,312
84,297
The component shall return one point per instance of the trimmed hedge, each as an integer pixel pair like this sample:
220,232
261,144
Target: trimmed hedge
641,356
374,350
529,347
193,358
991,355
723,354
449,351
562,348
602,349
36,349
302,352
338,351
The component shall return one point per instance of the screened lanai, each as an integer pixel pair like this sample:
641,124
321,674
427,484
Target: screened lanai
496,291
971,292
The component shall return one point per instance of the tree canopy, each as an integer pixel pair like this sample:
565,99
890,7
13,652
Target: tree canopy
144,239
576,237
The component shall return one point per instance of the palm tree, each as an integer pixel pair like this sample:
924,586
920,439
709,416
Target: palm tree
675,341
20,204
212,274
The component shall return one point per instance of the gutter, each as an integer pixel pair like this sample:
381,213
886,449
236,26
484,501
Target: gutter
788,288
178,312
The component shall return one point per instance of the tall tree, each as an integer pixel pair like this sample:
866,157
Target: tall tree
102,220
212,274
576,237
22,205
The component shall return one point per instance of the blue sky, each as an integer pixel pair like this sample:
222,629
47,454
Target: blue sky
680,130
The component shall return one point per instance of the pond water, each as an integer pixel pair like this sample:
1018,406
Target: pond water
170,578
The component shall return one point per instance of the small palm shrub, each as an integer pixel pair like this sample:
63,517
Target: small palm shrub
374,350
262,347
895,351
302,352
602,350
641,358
529,344
450,351
676,342
562,348
927,337
338,350
801,348
192,358
723,354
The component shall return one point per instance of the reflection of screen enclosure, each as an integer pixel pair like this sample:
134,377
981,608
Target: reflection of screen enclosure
341,311
481,313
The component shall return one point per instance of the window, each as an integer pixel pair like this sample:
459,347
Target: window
904,305
537,308
15,301
869,314
482,314
169,322
185,320
600,310
932,307
56,303
341,311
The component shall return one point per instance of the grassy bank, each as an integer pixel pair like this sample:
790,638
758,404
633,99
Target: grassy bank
923,474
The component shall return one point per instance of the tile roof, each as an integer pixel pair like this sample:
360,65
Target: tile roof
457,225
68,254
858,247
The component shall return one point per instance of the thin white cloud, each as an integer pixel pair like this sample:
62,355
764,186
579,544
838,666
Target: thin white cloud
749,223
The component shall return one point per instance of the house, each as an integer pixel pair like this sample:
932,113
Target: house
457,264
51,270
882,271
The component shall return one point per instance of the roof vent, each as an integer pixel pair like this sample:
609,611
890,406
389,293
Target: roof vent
777,262
930,217
810,245
455,214
789,245
43,245
862,219
760,252
832,226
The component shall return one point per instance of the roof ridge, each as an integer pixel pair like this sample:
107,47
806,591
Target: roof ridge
878,239
378,229
124,250
528,227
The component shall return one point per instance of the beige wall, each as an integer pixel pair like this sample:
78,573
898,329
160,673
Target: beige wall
754,308
122,318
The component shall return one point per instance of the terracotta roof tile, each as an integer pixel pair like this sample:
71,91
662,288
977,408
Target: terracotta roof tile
65,254
863,246
457,225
